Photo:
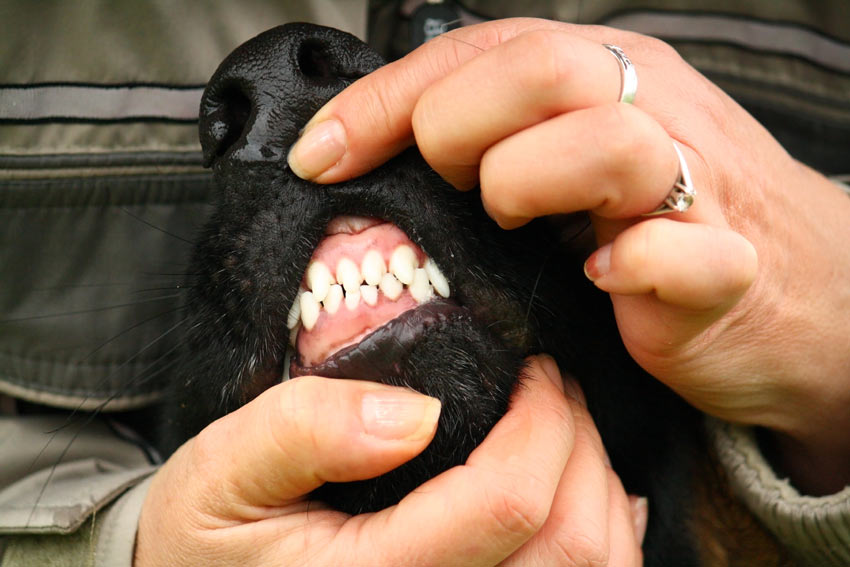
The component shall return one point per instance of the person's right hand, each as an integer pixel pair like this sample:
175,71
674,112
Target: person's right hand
537,491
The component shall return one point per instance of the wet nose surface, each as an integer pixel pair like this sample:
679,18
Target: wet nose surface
268,88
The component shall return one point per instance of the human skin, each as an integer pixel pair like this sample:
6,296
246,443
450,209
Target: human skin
735,304
236,494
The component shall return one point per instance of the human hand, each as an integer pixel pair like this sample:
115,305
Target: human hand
536,491
716,302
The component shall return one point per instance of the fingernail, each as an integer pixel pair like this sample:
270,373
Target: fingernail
640,516
598,264
550,367
399,414
318,149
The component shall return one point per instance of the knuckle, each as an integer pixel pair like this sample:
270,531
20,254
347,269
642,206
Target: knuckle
582,550
519,509
629,136
659,48
433,144
554,60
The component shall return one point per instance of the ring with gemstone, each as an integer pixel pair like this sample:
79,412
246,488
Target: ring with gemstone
681,196
628,76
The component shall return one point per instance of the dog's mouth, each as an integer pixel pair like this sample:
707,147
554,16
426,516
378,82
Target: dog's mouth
368,292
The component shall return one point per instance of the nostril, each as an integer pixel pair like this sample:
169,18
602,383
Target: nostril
319,62
314,60
230,118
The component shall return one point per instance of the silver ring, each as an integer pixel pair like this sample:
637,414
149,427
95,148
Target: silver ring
628,76
682,194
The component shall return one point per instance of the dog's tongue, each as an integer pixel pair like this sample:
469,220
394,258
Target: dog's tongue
353,320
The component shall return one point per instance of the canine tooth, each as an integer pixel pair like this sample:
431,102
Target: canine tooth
348,274
402,263
390,286
294,312
334,299
373,267
319,279
293,334
438,280
309,310
369,293
420,289
352,299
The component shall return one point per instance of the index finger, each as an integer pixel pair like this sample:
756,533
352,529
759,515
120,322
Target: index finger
371,121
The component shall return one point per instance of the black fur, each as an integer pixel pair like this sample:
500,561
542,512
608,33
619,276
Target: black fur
522,291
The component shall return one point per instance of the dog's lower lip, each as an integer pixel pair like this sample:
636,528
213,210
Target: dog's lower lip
381,353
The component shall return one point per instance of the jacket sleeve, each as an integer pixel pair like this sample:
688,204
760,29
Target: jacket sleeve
816,530
71,491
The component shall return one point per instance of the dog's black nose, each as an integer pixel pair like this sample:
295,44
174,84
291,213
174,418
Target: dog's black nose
268,88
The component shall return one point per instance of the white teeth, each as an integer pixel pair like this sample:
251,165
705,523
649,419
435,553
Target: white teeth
334,299
325,293
369,293
319,280
402,263
373,267
294,313
348,274
420,289
309,310
391,287
293,334
438,280
352,299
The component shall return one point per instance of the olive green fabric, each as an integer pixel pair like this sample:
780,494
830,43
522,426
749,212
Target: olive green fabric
97,214
59,481
106,539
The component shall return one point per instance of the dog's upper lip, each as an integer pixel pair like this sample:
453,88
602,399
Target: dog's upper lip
349,224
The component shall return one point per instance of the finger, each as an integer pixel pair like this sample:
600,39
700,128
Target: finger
613,159
625,547
370,121
693,266
519,83
304,432
479,513
577,529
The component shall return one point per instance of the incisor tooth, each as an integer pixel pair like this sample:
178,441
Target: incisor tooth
373,267
294,312
309,310
369,293
334,299
348,274
391,287
352,299
402,263
438,280
319,279
420,289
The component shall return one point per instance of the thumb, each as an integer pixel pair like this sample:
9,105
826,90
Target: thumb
304,432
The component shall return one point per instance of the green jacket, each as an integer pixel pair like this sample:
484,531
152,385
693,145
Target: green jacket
101,189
